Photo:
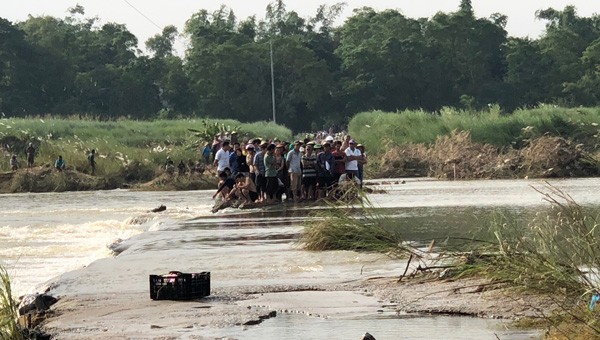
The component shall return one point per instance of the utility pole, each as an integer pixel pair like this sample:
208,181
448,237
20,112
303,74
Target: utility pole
272,81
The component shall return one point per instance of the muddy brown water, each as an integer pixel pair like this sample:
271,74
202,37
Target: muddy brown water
44,235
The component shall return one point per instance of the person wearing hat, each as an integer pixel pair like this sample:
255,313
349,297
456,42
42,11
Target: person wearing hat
250,161
309,172
325,165
169,165
293,161
353,155
92,161
234,137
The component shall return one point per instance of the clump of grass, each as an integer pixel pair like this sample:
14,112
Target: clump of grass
559,251
9,327
557,254
358,228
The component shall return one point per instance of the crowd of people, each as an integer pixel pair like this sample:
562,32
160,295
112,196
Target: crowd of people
264,171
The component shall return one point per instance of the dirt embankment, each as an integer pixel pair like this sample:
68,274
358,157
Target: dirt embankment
48,179
458,157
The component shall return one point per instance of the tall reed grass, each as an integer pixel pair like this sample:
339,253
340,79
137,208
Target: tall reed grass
382,130
9,327
556,254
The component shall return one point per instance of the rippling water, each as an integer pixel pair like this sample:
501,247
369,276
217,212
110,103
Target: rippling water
44,235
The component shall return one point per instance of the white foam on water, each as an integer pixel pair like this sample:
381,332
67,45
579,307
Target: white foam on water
35,253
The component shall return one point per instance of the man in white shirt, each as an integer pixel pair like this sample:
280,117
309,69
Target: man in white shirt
222,157
294,166
353,155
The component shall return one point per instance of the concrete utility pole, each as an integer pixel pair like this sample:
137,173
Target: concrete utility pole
272,82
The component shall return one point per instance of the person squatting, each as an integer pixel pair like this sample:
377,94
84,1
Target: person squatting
266,171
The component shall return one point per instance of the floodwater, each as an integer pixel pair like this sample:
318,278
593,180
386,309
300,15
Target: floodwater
45,235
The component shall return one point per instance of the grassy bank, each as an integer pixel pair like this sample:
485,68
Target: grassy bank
554,255
380,130
487,144
128,151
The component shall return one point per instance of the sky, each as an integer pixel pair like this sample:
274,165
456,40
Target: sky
145,18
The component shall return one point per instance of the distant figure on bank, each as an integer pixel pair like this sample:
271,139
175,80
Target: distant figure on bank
60,164
169,165
181,167
14,164
206,153
92,161
30,151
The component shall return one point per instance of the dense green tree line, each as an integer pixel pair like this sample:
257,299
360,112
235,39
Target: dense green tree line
323,74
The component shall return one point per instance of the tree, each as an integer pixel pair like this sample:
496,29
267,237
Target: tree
470,52
526,70
19,91
162,44
566,37
383,58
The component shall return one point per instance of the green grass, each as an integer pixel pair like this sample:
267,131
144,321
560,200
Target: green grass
118,143
353,227
380,130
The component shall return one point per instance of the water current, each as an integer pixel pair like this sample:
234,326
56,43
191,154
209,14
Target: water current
45,235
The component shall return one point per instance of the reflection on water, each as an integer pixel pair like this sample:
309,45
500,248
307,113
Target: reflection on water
382,327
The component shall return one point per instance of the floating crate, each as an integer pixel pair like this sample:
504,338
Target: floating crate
180,286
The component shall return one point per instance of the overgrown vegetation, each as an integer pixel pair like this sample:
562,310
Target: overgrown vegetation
9,327
127,151
541,142
499,129
324,73
348,227
557,254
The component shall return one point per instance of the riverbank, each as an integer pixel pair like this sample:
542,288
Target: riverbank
48,179
253,251
117,314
